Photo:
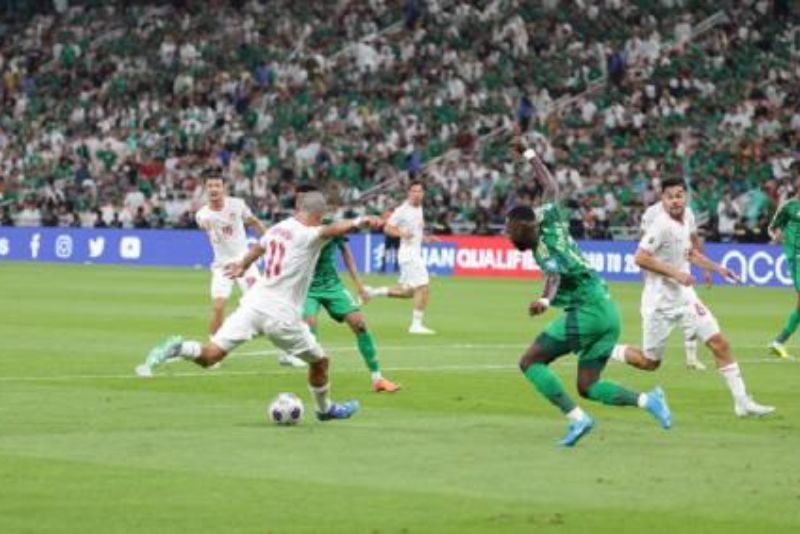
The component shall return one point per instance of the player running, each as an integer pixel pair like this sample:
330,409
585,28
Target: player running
665,253
224,219
407,223
589,325
272,307
327,291
687,327
785,229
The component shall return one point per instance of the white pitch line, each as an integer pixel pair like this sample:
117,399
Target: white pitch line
278,372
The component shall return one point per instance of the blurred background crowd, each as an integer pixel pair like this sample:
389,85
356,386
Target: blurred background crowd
112,110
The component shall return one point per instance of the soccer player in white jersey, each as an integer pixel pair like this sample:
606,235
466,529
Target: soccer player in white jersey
687,327
665,253
407,222
224,219
272,306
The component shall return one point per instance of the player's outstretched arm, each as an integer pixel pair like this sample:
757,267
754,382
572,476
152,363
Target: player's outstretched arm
338,228
648,262
238,268
704,262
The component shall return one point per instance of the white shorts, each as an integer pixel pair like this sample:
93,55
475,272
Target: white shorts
222,286
695,319
413,273
291,336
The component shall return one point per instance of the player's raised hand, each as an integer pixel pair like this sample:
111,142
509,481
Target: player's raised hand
685,279
234,270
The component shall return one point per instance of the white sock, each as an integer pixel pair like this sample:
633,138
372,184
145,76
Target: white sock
642,400
379,292
416,317
691,350
322,397
618,354
376,375
191,349
576,414
733,377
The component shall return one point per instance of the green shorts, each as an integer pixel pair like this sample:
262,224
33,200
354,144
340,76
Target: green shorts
590,331
338,302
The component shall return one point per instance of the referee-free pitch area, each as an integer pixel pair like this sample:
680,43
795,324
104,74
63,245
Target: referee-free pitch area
467,446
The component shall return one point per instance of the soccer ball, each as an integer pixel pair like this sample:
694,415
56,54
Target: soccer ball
285,409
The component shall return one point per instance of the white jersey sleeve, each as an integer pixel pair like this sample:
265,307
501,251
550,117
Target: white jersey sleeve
650,215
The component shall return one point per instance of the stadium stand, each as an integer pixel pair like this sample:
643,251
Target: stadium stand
110,113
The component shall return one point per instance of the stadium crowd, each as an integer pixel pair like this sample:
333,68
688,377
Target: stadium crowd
110,115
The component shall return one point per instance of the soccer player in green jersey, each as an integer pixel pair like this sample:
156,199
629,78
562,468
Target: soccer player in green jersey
785,228
327,291
589,325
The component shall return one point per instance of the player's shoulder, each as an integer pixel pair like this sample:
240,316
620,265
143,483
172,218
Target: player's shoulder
202,213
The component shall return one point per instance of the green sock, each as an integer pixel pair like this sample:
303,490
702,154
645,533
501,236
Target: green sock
790,327
366,346
608,392
548,384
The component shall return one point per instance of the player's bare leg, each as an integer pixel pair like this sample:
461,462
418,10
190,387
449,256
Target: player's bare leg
368,351
175,347
421,296
743,405
634,357
217,315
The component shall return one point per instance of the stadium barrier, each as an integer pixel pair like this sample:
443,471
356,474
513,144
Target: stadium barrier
757,265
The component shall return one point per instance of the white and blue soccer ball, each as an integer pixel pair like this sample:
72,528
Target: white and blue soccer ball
286,409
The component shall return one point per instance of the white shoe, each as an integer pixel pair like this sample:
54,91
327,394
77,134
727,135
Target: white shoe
144,371
288,360
215,366
695,365
751,407
420,329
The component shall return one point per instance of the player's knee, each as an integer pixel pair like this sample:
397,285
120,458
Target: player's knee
583,388
719,344
358,326
530,357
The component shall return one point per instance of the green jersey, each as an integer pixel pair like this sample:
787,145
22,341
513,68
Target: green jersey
787,220
558,253
326,276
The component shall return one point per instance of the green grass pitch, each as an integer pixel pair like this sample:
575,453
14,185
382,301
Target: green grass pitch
467,446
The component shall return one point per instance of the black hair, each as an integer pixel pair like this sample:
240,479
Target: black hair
666,183
305,188
213,174
521,213
414,183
